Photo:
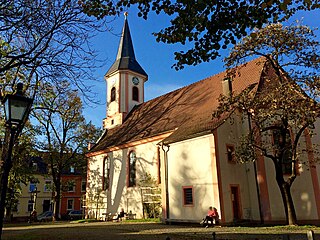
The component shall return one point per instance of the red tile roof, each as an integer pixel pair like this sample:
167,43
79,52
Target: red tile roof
186,111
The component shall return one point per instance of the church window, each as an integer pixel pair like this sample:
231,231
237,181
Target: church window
106,173
187,196
284,149
135,94
132,169
113,94
230,154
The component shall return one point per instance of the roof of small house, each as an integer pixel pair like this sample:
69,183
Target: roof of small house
186,112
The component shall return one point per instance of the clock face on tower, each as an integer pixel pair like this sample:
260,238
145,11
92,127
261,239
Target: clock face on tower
135,80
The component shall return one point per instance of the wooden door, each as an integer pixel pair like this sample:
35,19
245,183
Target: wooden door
235,199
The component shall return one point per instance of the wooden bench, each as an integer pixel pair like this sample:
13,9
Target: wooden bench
110,216
130,216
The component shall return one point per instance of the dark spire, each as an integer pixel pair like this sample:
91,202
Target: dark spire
126,59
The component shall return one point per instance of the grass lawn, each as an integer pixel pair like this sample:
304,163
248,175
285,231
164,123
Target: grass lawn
149,229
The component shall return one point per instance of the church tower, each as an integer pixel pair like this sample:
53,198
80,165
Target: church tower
125,82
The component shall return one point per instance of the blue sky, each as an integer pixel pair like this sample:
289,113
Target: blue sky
156,59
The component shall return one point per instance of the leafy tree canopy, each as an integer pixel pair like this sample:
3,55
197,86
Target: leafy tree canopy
208,25
65,133
44,41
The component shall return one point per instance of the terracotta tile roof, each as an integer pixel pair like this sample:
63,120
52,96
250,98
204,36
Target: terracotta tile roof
186,111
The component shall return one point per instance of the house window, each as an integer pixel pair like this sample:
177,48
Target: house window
71,186
71,169
15,206
32,187
187,196
113,94
46,205
30,205
70,204
106,173
132,169
284,149
230,154
135,94
34,166
47,186
83,186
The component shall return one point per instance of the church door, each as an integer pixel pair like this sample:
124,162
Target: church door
235,198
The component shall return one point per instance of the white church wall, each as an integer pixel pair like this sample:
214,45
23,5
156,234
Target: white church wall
119,195
316,145
302,190
95,197
243,175
236,175
190,165
146,155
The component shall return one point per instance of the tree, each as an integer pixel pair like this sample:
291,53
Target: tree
20,172
206,24
44,41
65,133
279,110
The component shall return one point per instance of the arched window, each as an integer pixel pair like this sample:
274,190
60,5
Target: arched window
135,94
106,173
132,169
113,94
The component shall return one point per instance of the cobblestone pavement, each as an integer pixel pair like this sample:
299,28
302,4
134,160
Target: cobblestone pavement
146,231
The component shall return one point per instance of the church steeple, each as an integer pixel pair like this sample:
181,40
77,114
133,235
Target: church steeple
125,82
126,59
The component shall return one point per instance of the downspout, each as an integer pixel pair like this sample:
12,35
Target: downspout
165,149
250,113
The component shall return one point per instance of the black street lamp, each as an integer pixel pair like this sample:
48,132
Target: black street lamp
16,109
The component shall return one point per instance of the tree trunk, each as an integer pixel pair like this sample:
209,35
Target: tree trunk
57,198
291,218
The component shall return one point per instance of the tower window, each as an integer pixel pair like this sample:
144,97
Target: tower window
135,94
113,94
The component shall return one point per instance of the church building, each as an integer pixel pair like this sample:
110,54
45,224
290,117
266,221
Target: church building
169,157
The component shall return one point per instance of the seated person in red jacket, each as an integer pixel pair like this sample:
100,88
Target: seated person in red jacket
215,216
212,216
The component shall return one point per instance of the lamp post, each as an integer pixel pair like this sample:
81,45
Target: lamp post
16,109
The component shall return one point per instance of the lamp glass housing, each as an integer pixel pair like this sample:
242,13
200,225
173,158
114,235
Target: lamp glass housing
16,109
